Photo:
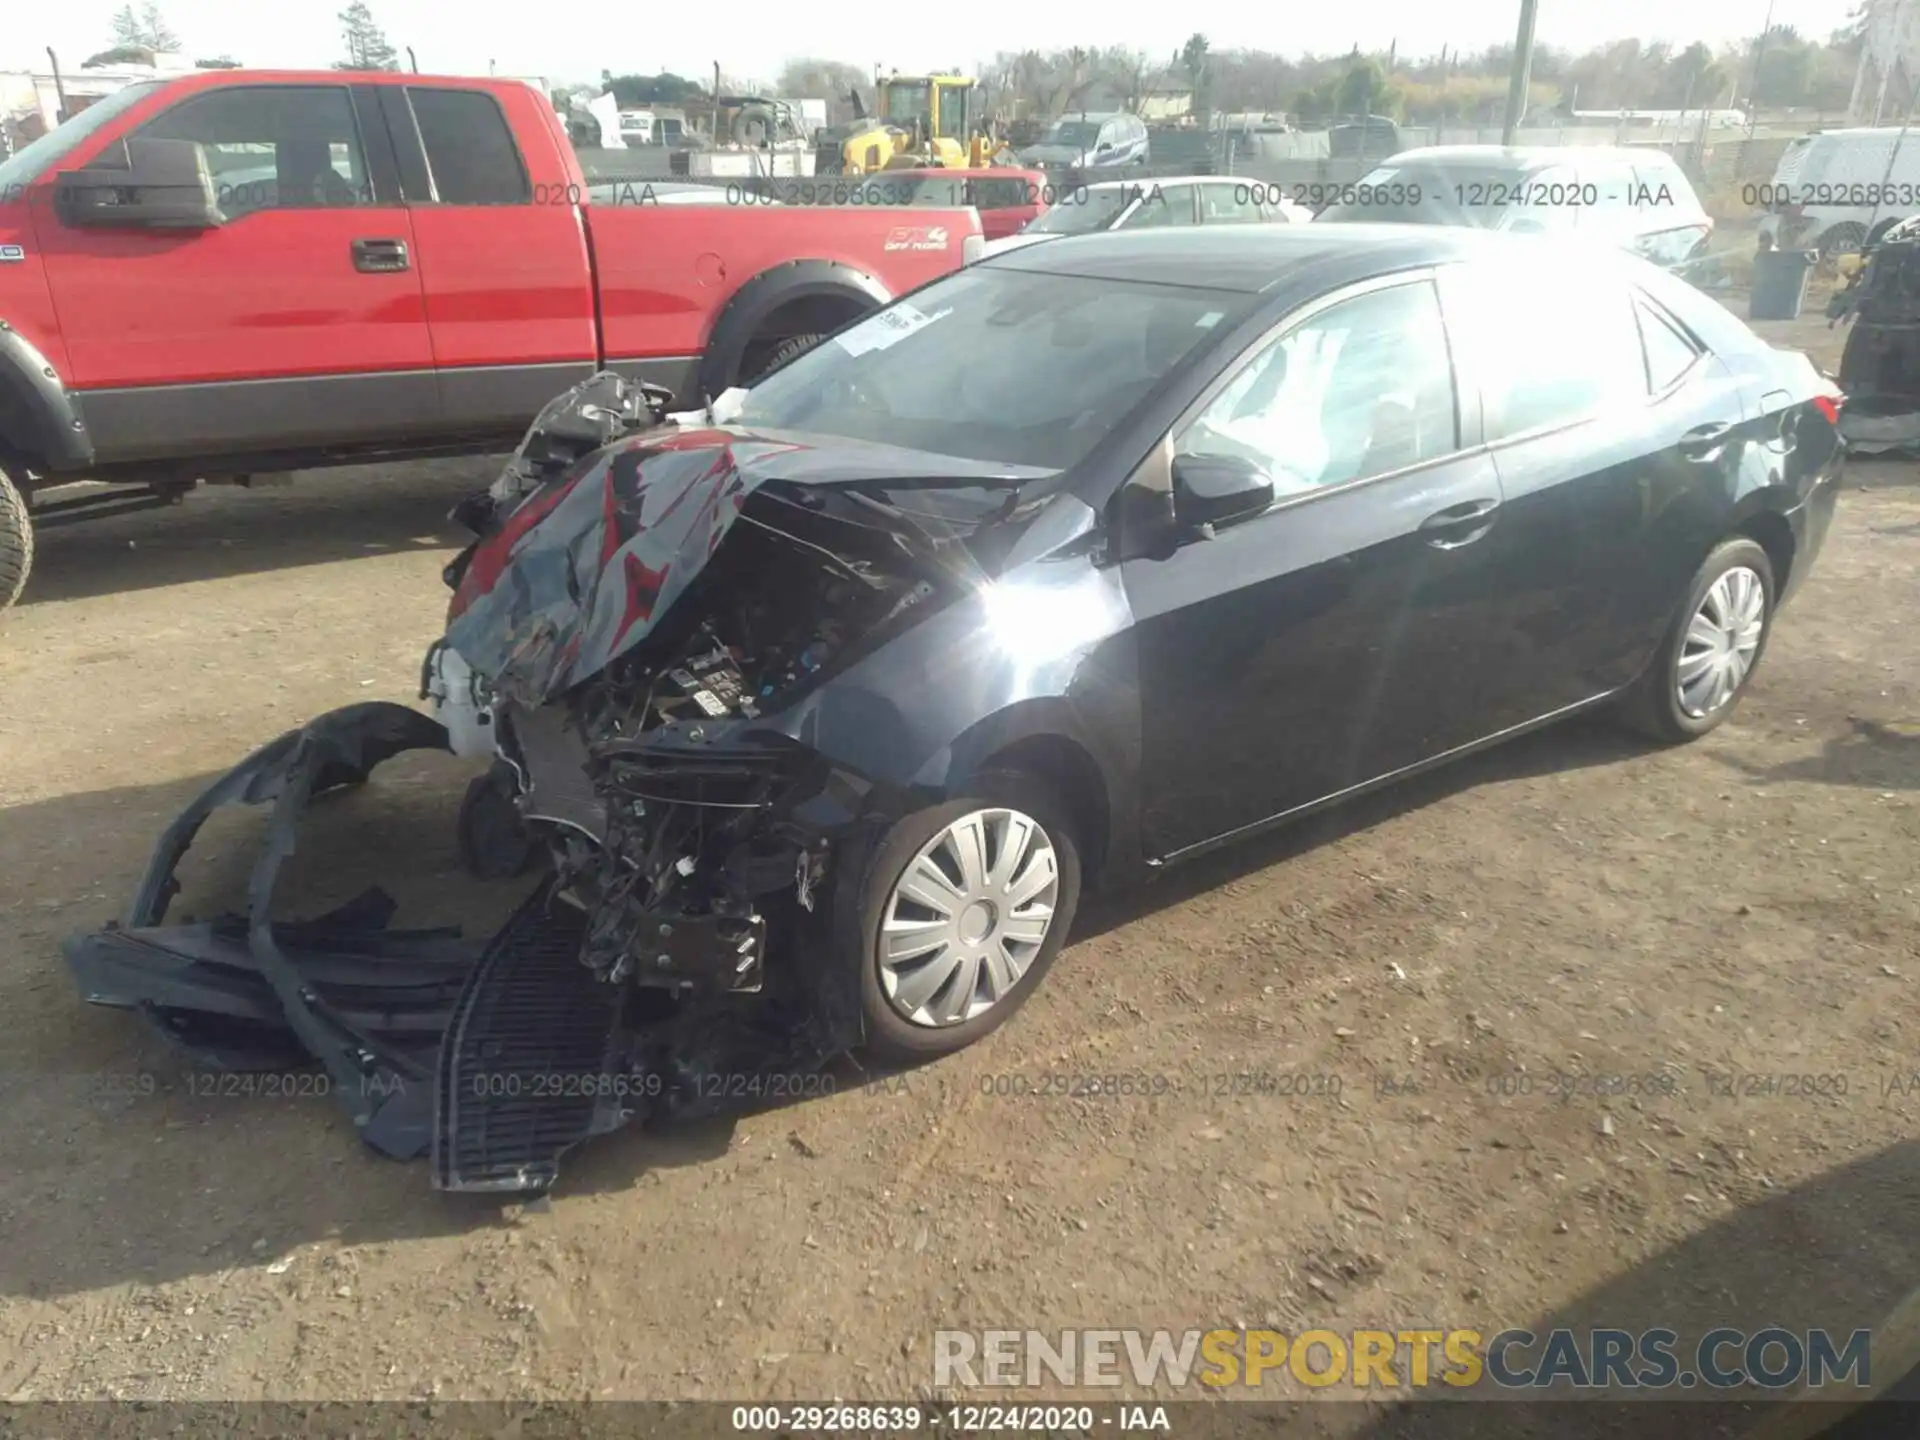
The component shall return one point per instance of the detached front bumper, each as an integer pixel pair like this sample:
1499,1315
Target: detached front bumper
495,1058
249,993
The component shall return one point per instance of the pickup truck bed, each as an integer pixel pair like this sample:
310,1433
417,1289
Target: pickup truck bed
242,272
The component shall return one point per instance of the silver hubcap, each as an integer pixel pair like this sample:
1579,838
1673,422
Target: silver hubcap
1721,641
967,916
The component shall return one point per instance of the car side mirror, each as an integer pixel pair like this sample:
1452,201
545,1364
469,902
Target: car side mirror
1527,226
1105,147
1211,490
166,185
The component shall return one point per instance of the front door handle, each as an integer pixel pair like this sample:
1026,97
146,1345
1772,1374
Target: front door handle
379,257
1460,524
1704,442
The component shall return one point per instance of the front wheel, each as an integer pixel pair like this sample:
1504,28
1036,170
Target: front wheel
1712,649
961,914
16,542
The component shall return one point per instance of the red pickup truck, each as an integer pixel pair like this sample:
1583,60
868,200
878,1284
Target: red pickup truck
244,272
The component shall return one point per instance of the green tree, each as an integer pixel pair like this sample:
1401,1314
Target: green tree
367,47
157,32
662,89
148,29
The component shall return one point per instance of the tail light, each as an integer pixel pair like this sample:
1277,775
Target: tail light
1829,406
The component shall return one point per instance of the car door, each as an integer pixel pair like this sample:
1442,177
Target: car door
276,329
504,262
1336,637
1594,468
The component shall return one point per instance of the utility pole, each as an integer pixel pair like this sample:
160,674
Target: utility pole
1759,58
1522,77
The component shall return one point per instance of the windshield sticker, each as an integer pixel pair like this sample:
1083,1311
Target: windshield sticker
887,329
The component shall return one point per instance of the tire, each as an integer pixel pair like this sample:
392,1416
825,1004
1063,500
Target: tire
16,542
793,345
892,1035
1654,706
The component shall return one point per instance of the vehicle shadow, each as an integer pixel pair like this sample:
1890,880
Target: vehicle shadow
1840,1253
220,531
1871,755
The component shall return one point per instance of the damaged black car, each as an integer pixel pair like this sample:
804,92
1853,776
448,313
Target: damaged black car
803,716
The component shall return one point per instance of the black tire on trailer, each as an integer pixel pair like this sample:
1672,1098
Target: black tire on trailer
16,541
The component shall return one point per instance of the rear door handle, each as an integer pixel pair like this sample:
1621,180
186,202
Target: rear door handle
1704,442
1460,524
379,257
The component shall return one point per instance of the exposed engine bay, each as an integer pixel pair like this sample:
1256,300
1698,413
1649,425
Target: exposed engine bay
643,597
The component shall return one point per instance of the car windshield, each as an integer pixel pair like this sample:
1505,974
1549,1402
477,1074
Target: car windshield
1002,366
1080,134
1084,212
34,160
1429,195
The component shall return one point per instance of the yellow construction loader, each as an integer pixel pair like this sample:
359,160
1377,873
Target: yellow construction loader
921,122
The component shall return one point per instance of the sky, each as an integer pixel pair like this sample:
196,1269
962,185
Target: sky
570,40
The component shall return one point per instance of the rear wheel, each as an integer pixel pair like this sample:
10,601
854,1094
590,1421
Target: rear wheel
16,542
961,914
1703,665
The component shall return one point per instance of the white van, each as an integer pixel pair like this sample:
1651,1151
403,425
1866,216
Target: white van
1830,189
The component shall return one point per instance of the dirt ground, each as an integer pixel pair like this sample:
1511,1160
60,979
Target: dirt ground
1471,963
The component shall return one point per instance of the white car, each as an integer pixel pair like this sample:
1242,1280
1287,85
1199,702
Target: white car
1157,202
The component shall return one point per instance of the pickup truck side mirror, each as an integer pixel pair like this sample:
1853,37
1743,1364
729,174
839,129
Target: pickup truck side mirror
165,186
1213,490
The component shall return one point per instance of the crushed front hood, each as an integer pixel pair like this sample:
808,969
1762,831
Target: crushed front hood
584,569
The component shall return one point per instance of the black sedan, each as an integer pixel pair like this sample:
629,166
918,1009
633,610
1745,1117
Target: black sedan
1218,528
1067,567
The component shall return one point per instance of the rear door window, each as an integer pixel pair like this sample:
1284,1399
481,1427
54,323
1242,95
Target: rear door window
1553,345
1231,202
1670,353
1160,206
470,150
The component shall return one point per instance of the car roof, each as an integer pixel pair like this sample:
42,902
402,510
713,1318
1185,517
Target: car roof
1252,259
1527,156
1145,180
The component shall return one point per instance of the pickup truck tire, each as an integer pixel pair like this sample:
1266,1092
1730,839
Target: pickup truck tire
798,300
785,351
16,542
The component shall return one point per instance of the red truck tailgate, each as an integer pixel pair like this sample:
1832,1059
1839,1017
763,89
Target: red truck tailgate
666,271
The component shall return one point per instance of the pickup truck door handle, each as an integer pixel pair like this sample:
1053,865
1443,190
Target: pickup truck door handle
1704,442
1460,524
379,257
